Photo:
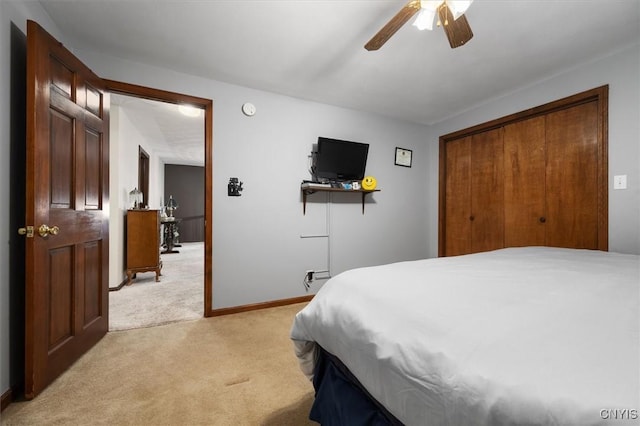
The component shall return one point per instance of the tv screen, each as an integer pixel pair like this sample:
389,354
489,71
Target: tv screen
339,160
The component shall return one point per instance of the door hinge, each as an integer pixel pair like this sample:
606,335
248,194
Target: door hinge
26,231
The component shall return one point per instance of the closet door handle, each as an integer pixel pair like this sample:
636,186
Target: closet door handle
542,219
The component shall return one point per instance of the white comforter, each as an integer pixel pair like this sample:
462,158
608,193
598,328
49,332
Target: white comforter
516,336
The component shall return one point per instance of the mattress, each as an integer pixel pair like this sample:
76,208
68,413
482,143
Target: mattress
530,335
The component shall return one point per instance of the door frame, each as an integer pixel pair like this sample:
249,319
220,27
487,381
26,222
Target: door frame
206,105
143,175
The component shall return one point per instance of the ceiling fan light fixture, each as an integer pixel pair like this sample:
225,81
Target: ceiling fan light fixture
424,21
458,7
428,9
458,31
430,4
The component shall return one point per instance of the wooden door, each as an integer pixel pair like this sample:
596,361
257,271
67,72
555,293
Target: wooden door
458,197
487,191
143,175
67,191
524,184
555,176
474,198
572,177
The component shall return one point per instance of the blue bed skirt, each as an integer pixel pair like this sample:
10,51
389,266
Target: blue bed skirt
341,400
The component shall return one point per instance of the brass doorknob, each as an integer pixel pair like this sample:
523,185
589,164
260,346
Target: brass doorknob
44,230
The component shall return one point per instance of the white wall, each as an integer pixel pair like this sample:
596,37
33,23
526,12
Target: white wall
117,207
124,140
258,253
621,71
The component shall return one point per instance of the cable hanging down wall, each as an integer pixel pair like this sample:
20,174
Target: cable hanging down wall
311,275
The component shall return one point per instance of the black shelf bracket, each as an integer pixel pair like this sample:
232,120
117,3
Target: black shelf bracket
309,191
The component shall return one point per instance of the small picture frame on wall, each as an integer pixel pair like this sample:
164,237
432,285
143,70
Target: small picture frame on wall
403,157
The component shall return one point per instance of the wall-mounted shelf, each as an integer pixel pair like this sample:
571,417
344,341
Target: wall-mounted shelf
308,191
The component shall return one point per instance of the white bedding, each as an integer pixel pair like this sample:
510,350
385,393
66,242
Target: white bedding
529,335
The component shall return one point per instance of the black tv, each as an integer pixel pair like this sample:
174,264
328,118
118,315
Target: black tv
338,160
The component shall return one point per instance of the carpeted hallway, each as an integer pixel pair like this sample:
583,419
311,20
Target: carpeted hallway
178,296
231,370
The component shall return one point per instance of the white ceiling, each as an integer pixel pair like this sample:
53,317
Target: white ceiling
313,49
174,137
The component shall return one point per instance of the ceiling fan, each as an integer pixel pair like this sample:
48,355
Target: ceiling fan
450,17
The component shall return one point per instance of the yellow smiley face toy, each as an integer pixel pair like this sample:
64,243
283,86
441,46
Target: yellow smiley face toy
369,183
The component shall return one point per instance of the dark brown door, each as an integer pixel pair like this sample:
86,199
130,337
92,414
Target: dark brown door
67,200
524,183
143,175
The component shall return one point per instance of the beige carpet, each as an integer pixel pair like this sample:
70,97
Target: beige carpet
231,370
178,296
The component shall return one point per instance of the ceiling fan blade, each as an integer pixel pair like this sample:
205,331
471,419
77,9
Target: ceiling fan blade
393,25
458,31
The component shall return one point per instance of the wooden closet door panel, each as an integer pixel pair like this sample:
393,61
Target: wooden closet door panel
458,197
524,183
572,177
487,191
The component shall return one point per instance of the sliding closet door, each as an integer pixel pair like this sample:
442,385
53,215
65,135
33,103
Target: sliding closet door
457,198
487,191
524,173
572,177
537,177
474,194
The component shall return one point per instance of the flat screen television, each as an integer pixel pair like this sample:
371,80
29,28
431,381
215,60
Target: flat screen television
338,160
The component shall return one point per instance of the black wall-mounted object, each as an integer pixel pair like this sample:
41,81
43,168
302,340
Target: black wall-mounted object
338,160
234,187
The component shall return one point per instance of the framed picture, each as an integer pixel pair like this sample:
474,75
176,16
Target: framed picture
403,157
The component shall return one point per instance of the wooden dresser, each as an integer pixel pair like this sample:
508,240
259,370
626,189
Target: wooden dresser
143,243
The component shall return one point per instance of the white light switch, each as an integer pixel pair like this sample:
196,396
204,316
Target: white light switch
620,182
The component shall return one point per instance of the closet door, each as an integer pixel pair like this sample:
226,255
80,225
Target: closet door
487,191
524,183
457,235
542,181
572,177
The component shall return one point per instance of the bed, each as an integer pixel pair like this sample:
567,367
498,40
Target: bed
532,335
